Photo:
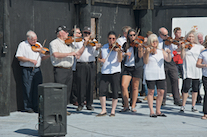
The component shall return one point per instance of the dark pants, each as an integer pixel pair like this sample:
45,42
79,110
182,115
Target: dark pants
64,76
172,71
204,79
31,79
85,82
74,92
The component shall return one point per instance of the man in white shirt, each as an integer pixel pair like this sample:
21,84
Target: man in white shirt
62,58
30,62
86,71
170,67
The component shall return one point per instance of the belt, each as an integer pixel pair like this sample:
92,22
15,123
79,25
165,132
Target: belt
63,67
86,62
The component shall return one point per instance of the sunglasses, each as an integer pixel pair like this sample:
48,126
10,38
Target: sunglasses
112,38
132,35
78,32
87,33
164,35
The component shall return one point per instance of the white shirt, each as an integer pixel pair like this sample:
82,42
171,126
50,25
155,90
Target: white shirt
172,47
121,40
89,53
154,69
25,50
58,45
203,56
189,63
130,62
111,64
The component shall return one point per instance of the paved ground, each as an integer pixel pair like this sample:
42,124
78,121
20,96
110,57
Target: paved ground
128,124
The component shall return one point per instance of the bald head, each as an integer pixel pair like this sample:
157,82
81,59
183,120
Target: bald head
163,33
200,38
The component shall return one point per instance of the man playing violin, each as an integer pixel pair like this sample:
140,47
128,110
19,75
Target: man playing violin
86,70
62,58
170,67
30,62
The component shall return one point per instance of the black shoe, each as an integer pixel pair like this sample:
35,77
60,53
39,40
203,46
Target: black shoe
198,101
79,108
90,108
138,101
178,103
100,115
163,103
68,113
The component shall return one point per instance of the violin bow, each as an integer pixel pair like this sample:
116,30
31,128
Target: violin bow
39,53
110,51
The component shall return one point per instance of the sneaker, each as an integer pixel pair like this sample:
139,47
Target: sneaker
182,109
194,109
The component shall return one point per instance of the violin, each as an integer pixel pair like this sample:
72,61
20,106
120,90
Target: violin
188,45
91,42
137,41
152,49
115,45
38,48
70,39
178,41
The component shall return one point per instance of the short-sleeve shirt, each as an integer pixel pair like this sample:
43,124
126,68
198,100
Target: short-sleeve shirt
203,56
58,45
189,62
111,64
25,50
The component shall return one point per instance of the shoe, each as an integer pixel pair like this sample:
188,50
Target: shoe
193,109
178,103
155,98
138,101
198,101
90,108
161,115
133,110
79,108
100,115
30,111
112,115
163,103
182,109
68,113
204,117
145,98
125,109
171,95
75,104
153,115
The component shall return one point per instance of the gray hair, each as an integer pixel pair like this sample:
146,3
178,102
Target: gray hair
125,28
30,34
195,36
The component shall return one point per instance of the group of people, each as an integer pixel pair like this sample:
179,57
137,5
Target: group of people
125,61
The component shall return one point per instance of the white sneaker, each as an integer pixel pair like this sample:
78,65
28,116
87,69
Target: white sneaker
194,109
182,109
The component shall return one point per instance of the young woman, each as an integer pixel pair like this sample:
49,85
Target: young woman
202,63
110,58
154,73
133,68
191,74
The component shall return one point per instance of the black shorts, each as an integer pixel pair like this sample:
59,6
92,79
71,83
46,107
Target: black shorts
131,71
114,80
187,84
160,84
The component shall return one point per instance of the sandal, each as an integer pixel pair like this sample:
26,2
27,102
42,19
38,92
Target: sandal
153,115
161,115
133,110
125,109
204,117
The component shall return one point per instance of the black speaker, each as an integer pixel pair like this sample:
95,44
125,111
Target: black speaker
52,109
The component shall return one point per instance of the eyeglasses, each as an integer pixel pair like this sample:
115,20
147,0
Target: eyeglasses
164,35
87,33
78,32
132,35
112,38
155,41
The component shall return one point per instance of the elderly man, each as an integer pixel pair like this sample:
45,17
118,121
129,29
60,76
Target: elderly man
170,68
31,74
62,58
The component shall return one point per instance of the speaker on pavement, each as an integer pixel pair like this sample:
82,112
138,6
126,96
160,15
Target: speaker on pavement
52,109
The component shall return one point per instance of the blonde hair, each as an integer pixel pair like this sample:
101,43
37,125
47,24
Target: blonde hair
195,36
151,38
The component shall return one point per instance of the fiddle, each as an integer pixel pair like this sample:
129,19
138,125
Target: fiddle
152,49
115,45
178,41
38,48
70,39
137,41
91,42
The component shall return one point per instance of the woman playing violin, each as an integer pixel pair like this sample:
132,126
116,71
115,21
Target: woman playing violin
154,73
110,73
133,68
191,74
